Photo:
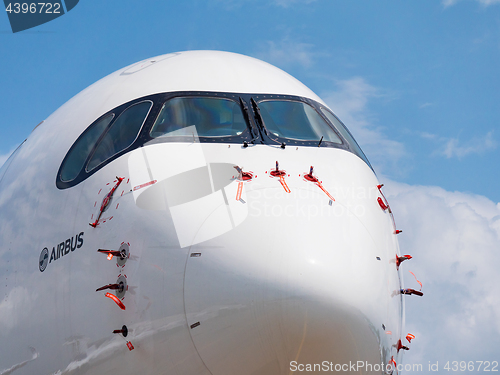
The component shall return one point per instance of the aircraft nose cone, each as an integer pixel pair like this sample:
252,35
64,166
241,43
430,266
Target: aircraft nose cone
294,290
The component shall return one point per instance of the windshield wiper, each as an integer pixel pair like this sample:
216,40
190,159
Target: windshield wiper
258,115
260,121
247,117
321,140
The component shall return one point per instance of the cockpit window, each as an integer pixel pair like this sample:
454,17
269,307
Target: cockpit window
247,119
346,134
295,120
213,117
79,153
122,133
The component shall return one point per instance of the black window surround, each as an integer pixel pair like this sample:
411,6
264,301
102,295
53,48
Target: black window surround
256,132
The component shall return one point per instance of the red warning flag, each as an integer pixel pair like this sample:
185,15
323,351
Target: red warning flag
239,191
283,183
416,279
116,300
326,192
410,337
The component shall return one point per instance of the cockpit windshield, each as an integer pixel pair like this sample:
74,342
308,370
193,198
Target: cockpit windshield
217,117
213,117
295,120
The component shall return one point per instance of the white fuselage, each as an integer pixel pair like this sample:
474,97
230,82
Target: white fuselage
219,280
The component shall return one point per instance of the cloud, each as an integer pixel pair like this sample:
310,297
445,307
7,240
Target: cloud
448,3
454,148
454,240
4,157
287,52
349,102
478,145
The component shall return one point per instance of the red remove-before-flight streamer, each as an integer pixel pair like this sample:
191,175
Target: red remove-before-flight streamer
416,279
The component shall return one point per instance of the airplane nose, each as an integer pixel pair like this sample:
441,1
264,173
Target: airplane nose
300,283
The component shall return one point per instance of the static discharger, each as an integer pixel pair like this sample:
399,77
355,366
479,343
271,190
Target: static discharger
242,177
309,177
401,259
116,300
106,201
281,174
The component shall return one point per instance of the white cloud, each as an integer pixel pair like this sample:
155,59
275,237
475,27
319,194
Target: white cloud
287,52
478,145
456,148
349,102
4,157
454,240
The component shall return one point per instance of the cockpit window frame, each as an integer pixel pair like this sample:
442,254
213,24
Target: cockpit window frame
254,134
108,129
70,159
116,112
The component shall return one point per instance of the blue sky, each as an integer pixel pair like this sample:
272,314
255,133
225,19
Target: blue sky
416,82
422,75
